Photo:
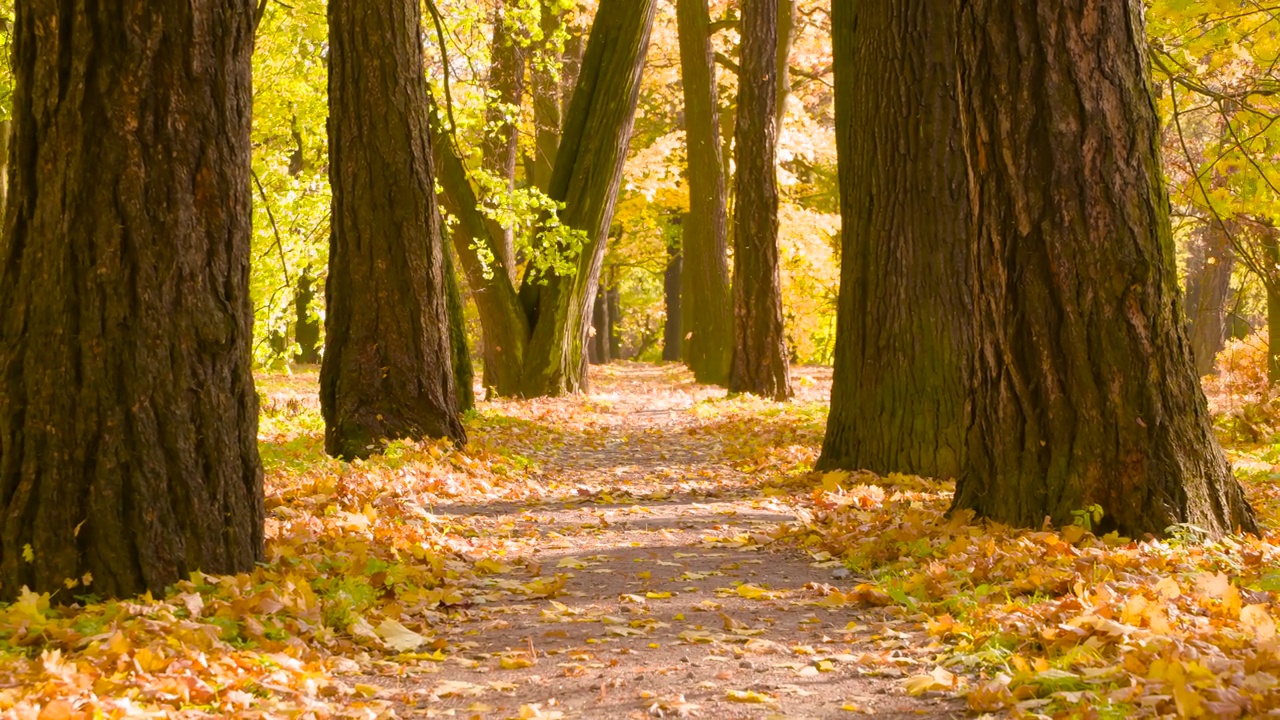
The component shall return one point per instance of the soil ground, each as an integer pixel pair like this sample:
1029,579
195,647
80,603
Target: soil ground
676,602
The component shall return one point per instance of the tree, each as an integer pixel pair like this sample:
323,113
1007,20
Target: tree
387,370
1084,389
542,327
759,361
707,310
1209,266
128,417
902,344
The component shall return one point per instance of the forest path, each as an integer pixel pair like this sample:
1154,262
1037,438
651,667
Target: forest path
674,602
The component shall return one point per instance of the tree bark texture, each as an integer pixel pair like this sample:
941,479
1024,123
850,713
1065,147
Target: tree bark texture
501,146
1084,389
903,319
759,363
672,335
1209,292
128,417
708,310
588,172
387,370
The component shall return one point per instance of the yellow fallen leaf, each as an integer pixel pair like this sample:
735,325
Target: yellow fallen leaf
398,637
939,679
515,662
657,595
750,696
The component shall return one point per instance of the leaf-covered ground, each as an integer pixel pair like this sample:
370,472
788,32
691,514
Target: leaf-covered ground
654,549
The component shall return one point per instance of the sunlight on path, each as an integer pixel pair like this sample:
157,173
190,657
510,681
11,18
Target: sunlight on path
672,603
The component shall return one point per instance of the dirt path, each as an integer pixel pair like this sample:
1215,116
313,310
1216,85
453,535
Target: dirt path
674,602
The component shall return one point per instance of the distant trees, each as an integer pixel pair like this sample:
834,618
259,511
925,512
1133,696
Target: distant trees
538,332
759,362
1083,388
902,346
387,371
704,276
128,417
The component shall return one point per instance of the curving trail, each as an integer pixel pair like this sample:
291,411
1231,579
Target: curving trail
676,601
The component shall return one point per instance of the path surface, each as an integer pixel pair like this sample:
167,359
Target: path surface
675,603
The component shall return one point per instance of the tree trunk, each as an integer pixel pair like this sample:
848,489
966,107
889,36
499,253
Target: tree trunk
542,331
614,298
759,363
128,416
464,373
6,129
306,329
502,320
708,311
547,93
786,38
903,336
1271,251
672,335
1084,389
387,370
1208,292
588,173
599,352
501,144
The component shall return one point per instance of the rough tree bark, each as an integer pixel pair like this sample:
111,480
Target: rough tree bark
903,328
759,363
1084,390
1208,292
708,310
128,417
387,370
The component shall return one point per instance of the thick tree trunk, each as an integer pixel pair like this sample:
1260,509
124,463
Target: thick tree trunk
128,417
672,336
1208,292
759,363
306,329
501,144
387,371
708,311
1084,388
903,327
588,173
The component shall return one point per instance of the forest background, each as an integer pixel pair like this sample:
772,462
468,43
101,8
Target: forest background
1213,69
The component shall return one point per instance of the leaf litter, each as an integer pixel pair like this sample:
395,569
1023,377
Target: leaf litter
655,549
